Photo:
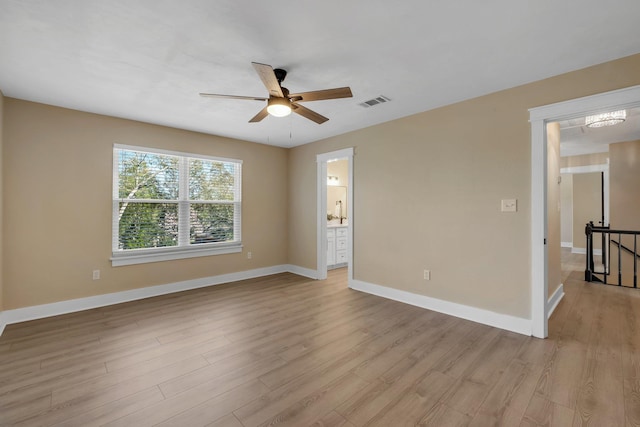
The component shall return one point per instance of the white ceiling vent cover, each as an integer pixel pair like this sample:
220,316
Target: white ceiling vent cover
375,101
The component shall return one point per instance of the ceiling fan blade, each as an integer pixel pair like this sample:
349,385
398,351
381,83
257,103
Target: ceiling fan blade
268,77
318,95
309,114
261,115
215,95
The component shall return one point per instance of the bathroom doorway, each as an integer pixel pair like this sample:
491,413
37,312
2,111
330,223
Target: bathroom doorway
335,212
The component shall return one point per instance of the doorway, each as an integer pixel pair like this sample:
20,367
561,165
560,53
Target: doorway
338,212
539,117
588,188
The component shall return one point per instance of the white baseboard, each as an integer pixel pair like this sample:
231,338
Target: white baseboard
336,266
3,323
18,315
486,317
584,251
566,244
554,300
301,271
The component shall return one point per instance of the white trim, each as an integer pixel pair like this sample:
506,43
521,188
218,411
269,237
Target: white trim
352,210
301,271
539,117
151,150
593,104
321,220
486,317
539,267
179,252
583,251
555,300
585,169
3,322
334,155
8,317
566,244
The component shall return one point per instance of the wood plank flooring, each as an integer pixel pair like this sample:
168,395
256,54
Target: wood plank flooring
287,351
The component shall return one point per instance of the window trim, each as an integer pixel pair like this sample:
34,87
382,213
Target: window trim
146,255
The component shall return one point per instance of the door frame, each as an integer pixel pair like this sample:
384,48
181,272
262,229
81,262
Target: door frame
321,223
539,117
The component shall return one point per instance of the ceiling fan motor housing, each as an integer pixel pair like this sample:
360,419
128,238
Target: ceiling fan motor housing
280,74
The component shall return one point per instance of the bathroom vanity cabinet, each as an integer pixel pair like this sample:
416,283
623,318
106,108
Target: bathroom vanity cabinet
337,246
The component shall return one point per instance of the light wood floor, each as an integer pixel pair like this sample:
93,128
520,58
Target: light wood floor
287,351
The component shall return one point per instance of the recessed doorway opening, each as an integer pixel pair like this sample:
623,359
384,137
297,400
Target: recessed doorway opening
539,117
335,212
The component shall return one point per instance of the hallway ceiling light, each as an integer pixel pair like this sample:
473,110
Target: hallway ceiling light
606,119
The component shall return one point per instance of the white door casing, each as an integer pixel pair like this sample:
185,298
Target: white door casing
539,117
321,191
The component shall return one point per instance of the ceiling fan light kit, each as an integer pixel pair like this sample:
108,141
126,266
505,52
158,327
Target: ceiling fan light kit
279,107
280,102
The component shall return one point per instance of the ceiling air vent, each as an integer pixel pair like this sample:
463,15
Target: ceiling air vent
375,101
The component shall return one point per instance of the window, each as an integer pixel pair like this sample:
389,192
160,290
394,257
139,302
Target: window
169,205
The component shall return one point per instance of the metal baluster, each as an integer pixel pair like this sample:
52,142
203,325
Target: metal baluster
635,260
587,270
619,259
607,258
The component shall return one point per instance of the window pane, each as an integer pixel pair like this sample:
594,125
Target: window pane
147,225
210,223
147,176
211,180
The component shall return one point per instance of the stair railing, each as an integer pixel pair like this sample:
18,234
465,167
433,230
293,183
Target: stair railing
590,275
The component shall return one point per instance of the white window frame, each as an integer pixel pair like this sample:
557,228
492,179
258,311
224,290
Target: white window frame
185,249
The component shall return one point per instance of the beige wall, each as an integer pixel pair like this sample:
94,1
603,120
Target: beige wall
553,207
625,201
587,206
1,201
445,172
584,160
566,208
339,168
625,185
57,198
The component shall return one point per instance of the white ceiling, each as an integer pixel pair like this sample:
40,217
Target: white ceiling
148,59
577,139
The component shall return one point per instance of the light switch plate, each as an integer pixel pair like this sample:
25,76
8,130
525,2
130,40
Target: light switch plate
509,205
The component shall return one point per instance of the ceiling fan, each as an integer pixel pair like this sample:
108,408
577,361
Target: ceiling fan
280,102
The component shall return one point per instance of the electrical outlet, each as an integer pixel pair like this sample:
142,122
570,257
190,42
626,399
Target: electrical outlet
427,275
96,274
249,255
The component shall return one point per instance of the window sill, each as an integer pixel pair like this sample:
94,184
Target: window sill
142,256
